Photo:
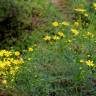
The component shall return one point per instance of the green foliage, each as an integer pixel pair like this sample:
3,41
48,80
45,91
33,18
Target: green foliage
15,15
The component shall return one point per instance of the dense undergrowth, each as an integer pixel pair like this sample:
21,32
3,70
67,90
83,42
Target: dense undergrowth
58,58
19,18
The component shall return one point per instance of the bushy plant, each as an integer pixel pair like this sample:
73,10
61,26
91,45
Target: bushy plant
15,16
19,16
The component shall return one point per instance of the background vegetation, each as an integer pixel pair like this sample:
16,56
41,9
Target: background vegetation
18,18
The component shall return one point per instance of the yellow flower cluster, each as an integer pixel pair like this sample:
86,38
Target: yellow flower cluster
9,63
82,11
5,53
47,38
88,35
57,36
74,32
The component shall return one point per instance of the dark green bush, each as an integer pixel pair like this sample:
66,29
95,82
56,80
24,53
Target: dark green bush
15,16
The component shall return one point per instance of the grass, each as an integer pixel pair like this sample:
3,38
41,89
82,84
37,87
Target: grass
57,67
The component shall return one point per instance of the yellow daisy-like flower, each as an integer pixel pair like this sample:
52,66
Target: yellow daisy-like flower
17,53
55,24
30,49
94,5
90,63
74,31
61,34
76,24
4,82
47,38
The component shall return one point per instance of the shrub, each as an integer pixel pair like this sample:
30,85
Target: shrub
15,16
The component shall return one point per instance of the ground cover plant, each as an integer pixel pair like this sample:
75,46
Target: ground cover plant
58,58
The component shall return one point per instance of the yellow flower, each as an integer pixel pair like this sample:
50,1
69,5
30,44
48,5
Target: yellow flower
30,49
4,82
18,61
17,53
94,5
12,72
56,37
1,53
69,41
47,38
2,64
7,63
65,23
90,63
81,61
76,24
61,34
55,24
86,15
74,31
7,53
16,68
29,59
11,59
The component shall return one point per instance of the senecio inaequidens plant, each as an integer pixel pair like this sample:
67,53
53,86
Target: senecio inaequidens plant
10,62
